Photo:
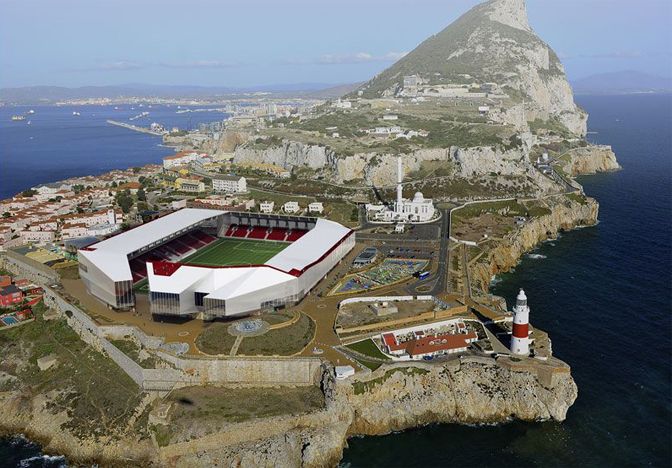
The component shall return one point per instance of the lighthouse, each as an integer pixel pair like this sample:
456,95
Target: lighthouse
520,343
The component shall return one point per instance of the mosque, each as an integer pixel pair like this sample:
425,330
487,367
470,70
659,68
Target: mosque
417,210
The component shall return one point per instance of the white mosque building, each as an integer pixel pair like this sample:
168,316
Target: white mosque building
417,210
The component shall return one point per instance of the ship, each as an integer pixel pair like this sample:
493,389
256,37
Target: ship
31,111
75,113
17,118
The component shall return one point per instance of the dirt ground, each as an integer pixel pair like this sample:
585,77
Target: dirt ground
353,315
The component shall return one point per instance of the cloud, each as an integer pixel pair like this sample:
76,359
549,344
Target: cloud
200,64
119,65
346,59
359,57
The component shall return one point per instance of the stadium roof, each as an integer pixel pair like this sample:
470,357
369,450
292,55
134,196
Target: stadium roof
219,283
111,255
310,247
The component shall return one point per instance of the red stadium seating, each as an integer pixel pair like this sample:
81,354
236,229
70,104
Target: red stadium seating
277,234
258,233
295,234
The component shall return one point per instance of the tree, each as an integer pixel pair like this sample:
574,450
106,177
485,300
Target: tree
6,214
142,196
124,200
28,193
114,183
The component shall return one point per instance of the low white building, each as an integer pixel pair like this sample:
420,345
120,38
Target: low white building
181,159
38,237
291,207
229,184
316,207
343,372
340,104
390,117
266,206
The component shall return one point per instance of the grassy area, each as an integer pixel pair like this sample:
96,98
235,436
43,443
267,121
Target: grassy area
370,364
578,198
282,341
71,272
365,387
198,411
367,348
215,339
236,252
132,350
510,207
96,394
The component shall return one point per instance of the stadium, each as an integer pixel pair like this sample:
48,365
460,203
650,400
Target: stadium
214,262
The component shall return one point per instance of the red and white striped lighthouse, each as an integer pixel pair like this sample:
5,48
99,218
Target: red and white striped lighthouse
520,343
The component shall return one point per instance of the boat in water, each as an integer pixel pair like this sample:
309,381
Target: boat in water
75,113
18,118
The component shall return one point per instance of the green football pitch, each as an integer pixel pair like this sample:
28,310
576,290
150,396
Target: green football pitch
228,251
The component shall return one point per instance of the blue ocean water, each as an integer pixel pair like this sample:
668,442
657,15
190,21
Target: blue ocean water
58,144
604,294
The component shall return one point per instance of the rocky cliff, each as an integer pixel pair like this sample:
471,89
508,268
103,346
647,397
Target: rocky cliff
590,160
396,397
380,169
566,213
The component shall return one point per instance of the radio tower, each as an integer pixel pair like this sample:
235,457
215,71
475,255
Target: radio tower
520,342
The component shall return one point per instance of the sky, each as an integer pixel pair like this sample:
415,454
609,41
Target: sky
243,43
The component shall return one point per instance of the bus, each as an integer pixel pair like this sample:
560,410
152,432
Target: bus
423,275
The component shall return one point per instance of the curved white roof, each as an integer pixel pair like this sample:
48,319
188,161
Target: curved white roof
310,247
111,255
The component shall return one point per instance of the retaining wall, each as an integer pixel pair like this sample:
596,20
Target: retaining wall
28,267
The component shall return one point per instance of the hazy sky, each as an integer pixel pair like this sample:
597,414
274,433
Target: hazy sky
252,42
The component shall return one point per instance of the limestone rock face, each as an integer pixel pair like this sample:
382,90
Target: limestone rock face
289,155
565,214
591,160
466,391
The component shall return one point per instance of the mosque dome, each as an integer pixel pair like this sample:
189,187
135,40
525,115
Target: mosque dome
418,197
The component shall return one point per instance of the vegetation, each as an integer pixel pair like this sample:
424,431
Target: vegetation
367,348
199,411
284,341
132,350
578,198
97,395
216,339
365,387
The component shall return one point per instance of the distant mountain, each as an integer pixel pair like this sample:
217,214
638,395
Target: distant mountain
491,43
623,82
50,94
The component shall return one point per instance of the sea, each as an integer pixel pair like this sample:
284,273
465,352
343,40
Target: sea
604,293
58,144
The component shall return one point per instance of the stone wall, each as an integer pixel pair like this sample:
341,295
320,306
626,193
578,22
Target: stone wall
28,268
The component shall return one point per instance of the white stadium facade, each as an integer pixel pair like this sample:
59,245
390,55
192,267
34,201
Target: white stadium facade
153,253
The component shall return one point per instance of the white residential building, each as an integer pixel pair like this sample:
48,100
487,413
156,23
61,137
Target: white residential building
38,237
316,207
181,159
229,184
266,206
291,207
